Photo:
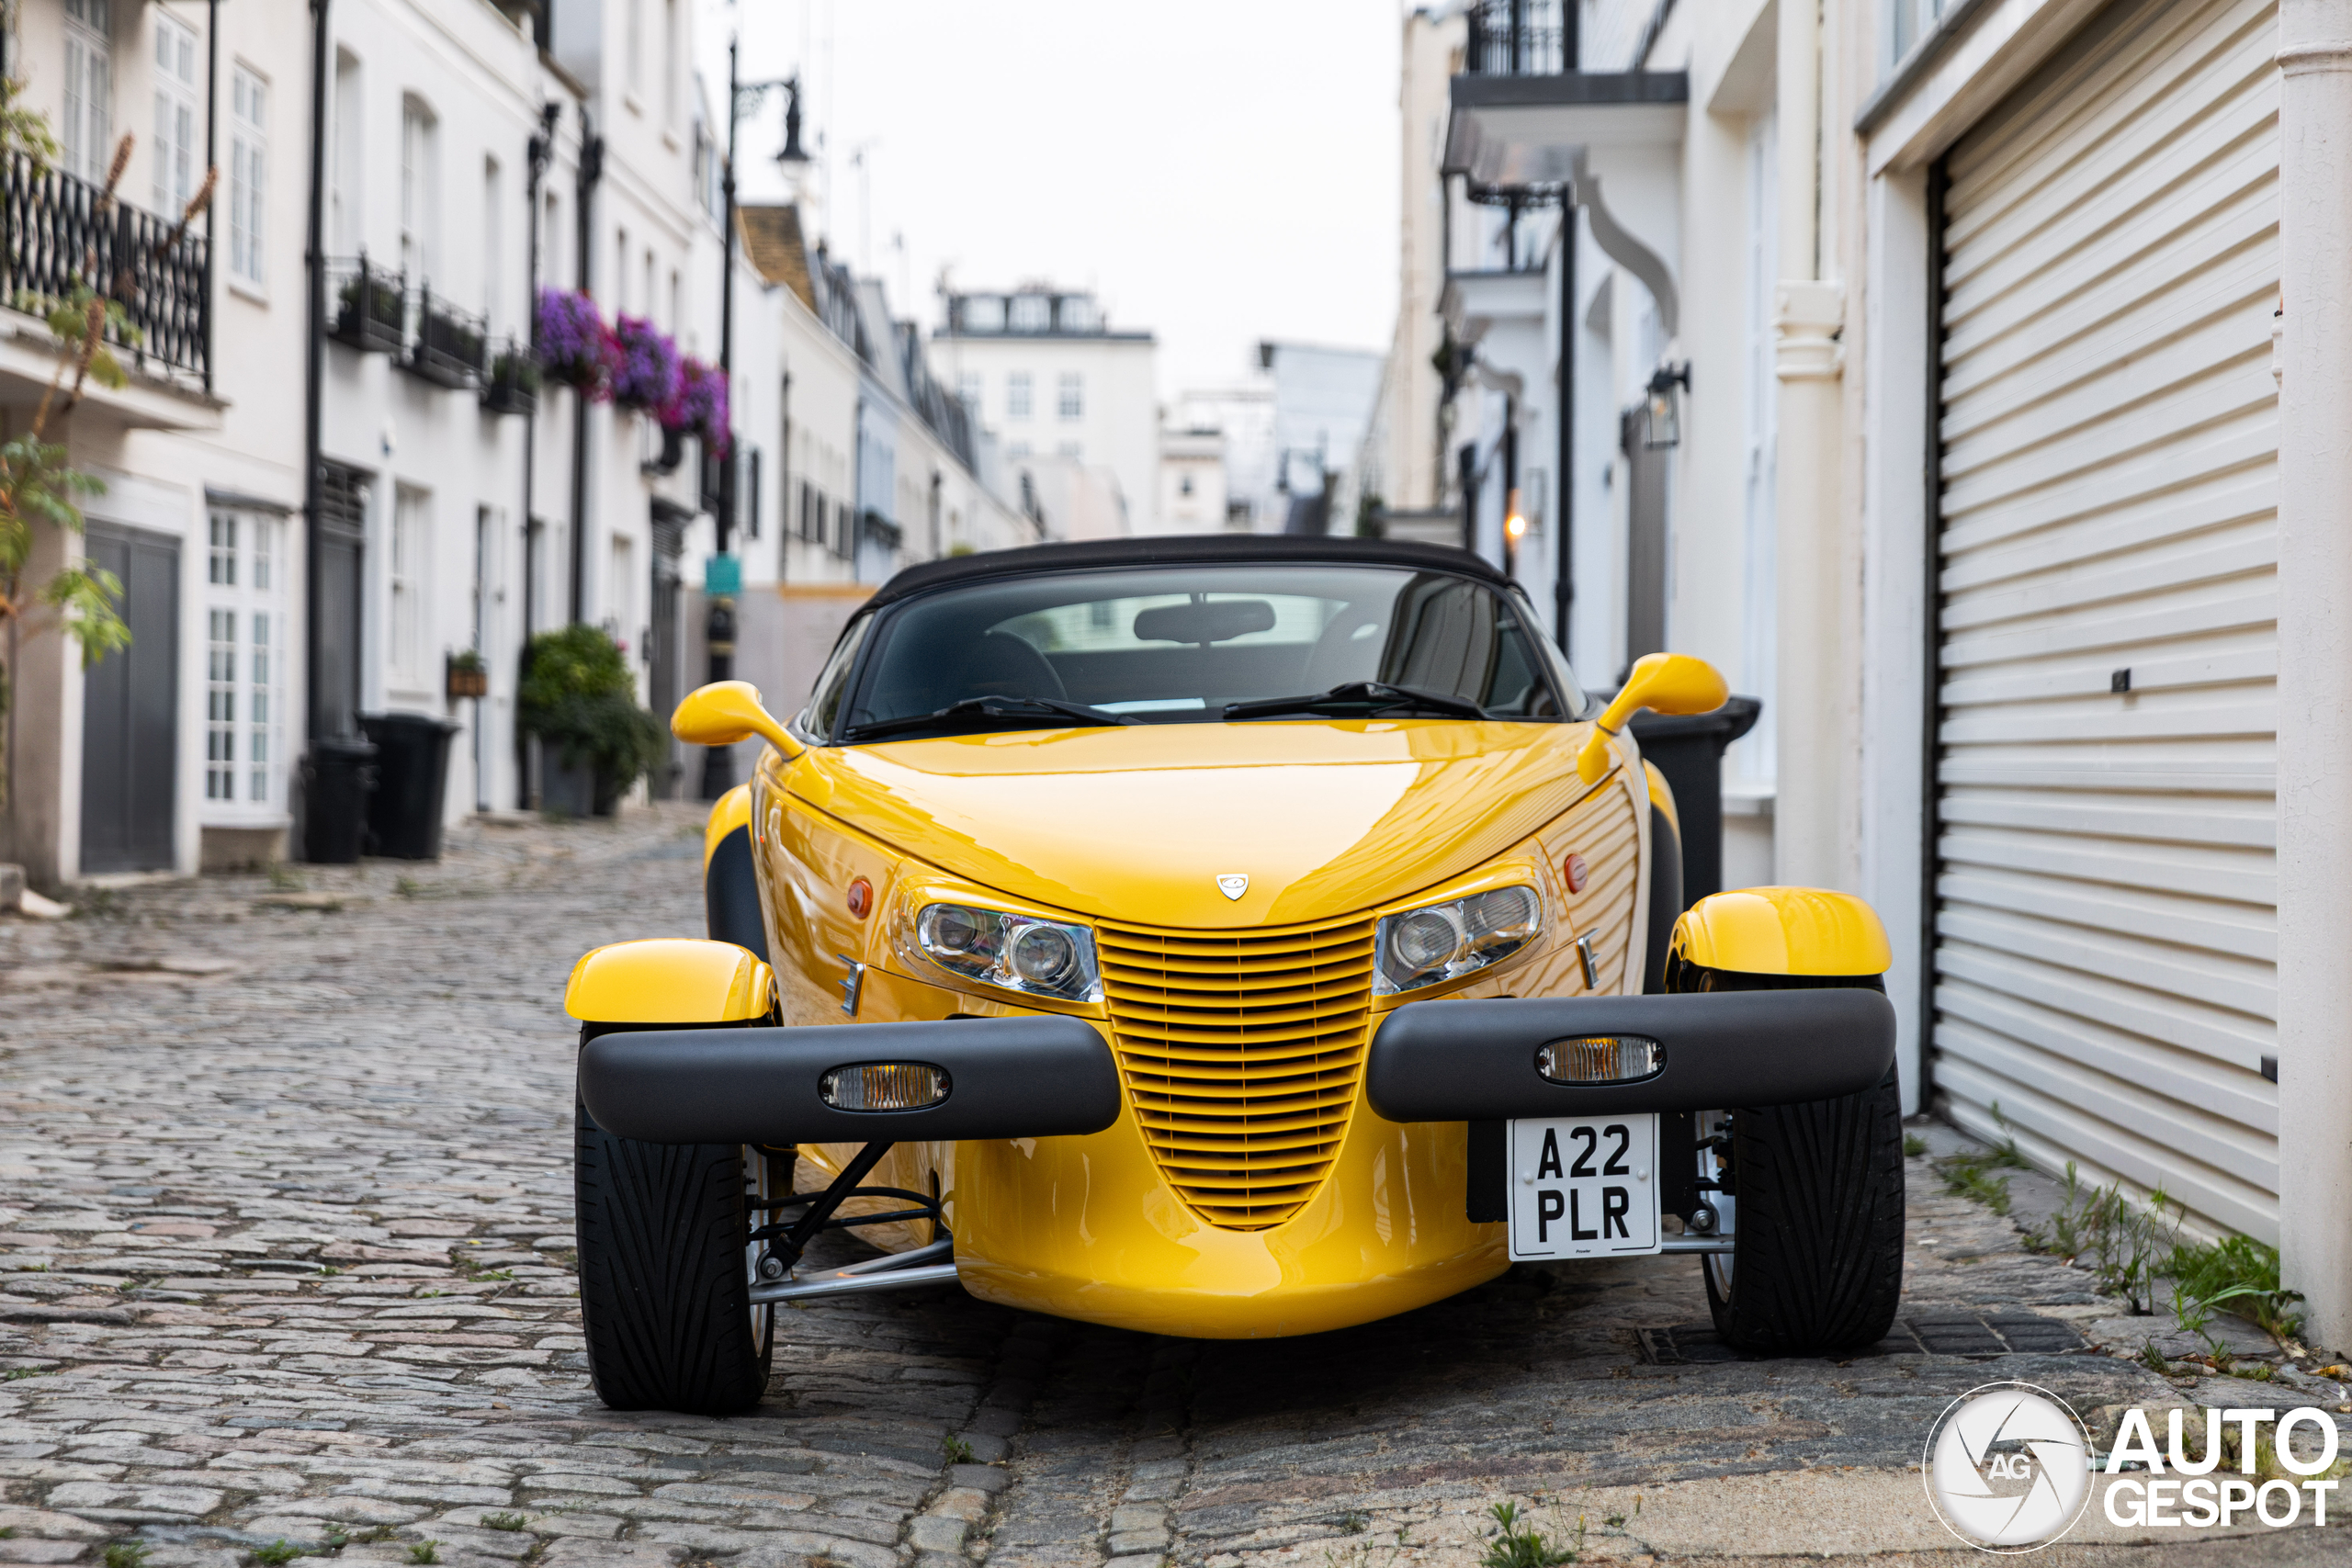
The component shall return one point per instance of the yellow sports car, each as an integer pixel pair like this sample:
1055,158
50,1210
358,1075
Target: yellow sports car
1217,937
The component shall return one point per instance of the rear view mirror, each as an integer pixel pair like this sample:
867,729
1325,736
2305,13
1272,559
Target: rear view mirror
725,712
1205,621
1663,682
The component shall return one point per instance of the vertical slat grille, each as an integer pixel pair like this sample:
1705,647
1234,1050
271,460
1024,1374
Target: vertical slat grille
1241,1051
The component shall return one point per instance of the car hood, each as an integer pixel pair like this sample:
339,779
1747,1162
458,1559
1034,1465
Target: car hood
1138,824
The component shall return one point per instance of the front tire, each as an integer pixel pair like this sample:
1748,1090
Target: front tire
665,1273
1814,1202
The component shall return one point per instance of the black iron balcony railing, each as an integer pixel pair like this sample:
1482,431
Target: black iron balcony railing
512,384
1522,38
448,348
370,306
59,239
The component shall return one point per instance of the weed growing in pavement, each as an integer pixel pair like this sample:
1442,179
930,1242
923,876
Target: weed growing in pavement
407,887
2154,1359
2236,1269
1512,1547
1352,1523
503,1521
959,1451
285,878
2125,1246
15,1373
277,1554
426,1551
126,1554
1914,1146
7,1533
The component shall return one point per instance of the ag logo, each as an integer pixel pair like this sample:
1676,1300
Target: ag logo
2007,1468
1233,884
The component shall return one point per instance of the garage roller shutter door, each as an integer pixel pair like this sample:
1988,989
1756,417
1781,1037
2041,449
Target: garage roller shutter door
2105,906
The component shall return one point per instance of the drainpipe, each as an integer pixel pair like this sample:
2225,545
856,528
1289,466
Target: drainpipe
1815,816
592,168
211,162
314,354
2314,361
1564,533
539,153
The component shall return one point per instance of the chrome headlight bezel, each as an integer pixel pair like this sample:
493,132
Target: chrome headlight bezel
1432,943
1002,950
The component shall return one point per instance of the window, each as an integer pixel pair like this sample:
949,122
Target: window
984,312
493,241
411,561
1016,450
420,194
620,592
1071,404
669,64
1185,484
751,495
1032,313
1016,395
1175,644
244,631
248,174
635,47
347,233
621,270
176,116
1079,315
967,389
89,88
1074,451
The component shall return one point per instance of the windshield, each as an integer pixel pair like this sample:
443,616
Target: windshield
1178,644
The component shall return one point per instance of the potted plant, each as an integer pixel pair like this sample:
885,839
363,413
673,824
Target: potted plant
699,408
647,374
466,676
574,348
513,386
448,348
370,314
580,701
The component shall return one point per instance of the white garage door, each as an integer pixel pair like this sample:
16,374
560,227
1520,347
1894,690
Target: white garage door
2105,869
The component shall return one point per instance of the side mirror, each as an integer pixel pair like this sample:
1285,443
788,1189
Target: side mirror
1663,682
727,711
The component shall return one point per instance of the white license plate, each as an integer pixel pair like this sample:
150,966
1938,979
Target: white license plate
1584,1187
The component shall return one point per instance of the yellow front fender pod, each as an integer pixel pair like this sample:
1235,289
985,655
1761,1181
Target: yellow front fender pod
1783,930
680,980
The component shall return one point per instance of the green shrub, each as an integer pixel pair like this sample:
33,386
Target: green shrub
578,697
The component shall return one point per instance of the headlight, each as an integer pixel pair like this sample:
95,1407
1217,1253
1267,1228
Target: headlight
1018,952
1422,947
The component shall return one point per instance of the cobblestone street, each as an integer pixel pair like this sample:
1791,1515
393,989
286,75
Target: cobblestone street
285,1209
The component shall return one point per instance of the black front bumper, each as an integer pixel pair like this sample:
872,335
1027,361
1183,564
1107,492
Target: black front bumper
1476,1061
1032,1077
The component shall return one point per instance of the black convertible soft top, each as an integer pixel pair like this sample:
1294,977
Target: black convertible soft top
1165,549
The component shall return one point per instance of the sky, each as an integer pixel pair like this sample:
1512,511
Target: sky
1217,172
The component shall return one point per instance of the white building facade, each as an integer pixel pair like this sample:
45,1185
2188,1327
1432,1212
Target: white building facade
177,751
1045,369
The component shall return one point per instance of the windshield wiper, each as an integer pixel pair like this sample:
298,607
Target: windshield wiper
1358,698
995,706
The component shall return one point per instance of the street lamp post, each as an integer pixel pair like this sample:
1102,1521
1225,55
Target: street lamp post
724,580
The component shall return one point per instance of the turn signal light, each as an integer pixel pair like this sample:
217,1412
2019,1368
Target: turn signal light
884,1086
1601,1058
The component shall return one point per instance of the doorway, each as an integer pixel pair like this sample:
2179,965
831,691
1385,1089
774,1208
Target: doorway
130,710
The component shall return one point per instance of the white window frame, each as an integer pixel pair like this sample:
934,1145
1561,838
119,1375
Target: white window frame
177,117
408,587
1069,398
88,132
244,746
248,177
1017,395
420,191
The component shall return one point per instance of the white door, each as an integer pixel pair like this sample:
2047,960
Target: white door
2105,920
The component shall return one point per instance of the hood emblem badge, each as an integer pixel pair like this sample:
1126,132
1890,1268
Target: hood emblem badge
1233,884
